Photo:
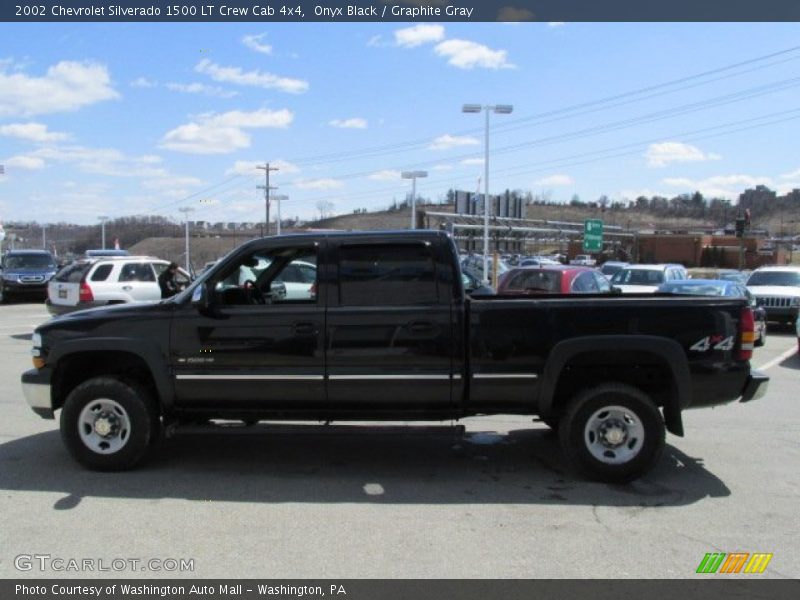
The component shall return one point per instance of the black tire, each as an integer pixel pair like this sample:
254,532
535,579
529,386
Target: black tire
641,422
141,430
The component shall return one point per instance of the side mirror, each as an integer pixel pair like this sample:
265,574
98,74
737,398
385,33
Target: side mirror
201,298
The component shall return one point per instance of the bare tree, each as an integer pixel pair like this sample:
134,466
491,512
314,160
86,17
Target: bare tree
324,207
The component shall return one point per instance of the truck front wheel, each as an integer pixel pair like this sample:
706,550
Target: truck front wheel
613,432
108,424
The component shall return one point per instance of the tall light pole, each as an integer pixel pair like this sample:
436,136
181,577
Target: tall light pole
500,109
103,220
278,199
186,210
413,175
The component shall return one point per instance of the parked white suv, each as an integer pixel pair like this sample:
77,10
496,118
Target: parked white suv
637,279
111,280
777,289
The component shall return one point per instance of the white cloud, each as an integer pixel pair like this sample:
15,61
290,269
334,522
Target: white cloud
353,123
248,167
792,175
65,87
376,41
723,186
664,153
30,163
201,88
385,175
471,162
252,78
411,37
254,43
223,133
143,82
555,24
149,159
31,132
555,180
447,141
318,184
442,168
465,54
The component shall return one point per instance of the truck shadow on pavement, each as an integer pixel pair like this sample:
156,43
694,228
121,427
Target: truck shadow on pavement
341,463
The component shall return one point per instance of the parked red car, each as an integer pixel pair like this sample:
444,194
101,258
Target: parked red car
553,279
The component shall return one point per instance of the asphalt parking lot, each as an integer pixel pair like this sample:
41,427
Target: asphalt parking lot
294,501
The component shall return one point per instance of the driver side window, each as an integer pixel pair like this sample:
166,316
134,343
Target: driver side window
269,277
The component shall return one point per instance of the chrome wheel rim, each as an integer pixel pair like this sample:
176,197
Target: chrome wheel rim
104,426
614,435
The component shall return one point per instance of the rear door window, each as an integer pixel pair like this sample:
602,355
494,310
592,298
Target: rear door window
387,275
136,272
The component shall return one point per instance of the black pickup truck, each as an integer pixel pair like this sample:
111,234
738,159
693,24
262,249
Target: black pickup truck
377,326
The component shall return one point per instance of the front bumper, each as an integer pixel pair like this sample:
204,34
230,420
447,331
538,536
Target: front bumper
22,289
755,386
781,313
37,391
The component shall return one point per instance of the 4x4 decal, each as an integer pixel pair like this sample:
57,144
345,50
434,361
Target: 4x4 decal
715,342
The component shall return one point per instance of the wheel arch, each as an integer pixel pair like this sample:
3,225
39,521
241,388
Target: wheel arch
617,354
133,360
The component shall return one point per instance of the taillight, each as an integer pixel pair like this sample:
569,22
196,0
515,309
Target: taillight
313,290
85,294
748,334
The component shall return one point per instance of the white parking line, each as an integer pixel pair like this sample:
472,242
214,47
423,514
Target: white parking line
777,360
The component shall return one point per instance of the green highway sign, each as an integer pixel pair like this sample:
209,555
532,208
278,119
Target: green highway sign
592,235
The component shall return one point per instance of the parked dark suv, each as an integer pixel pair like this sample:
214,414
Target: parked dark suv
26,273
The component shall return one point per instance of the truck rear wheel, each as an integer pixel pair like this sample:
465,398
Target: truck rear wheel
613,432
108,424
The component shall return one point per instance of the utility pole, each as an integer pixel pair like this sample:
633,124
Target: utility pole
186,210
266,168
44,237
103,220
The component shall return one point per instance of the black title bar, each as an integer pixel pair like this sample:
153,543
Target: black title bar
396,10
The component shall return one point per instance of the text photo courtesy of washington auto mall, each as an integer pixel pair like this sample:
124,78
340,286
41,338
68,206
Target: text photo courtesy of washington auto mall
313,299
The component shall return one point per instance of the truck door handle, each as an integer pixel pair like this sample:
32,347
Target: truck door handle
127,288
420,326
304,329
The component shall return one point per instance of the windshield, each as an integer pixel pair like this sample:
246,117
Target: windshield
638,277
696,290
774,278
30,261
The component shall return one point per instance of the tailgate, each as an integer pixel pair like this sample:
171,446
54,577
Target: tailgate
62,293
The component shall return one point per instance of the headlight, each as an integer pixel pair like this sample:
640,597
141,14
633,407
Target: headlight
36,351
796,301
10,276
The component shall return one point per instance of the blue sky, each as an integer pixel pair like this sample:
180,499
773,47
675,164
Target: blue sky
120,119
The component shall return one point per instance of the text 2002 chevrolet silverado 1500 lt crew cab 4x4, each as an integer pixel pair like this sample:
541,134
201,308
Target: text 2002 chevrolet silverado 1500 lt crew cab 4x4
388,334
